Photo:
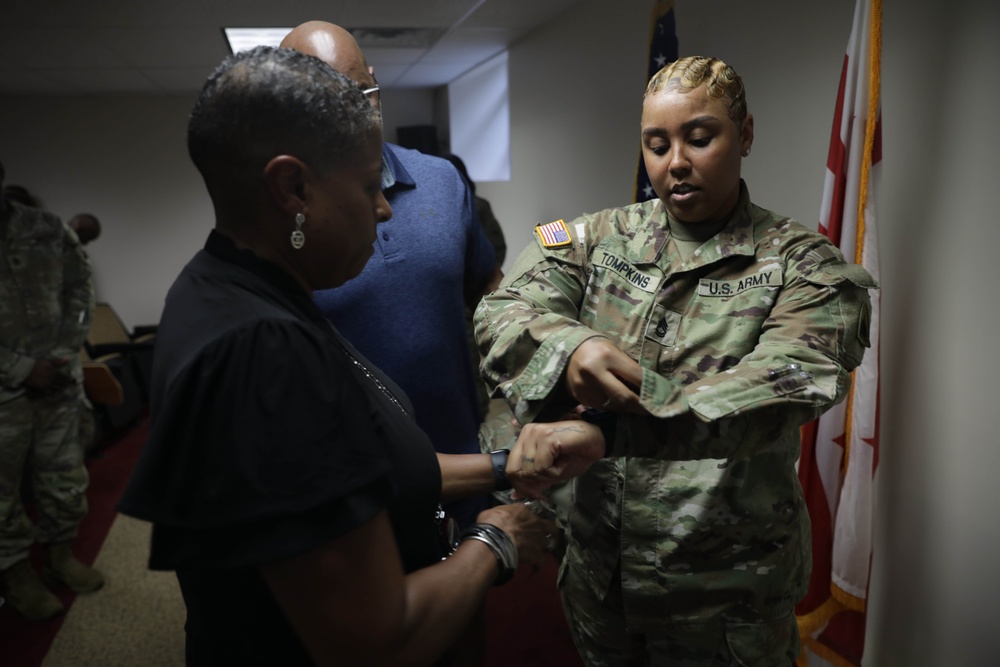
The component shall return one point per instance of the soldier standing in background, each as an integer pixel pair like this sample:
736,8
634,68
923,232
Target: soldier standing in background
46,301
86,226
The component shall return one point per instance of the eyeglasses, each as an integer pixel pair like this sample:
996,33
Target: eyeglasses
368,91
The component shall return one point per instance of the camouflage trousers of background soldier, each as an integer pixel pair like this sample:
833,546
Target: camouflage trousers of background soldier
41,448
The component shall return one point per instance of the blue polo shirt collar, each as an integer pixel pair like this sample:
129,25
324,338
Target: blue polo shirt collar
393,172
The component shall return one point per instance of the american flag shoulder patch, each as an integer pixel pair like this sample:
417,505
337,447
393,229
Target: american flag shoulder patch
553,234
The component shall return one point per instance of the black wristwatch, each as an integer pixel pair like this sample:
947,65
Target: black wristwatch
498,458
607,421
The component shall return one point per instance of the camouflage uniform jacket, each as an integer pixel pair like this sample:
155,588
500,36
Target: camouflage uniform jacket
46,298
750,336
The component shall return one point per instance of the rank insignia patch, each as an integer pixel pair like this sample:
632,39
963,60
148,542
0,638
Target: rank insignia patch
554,234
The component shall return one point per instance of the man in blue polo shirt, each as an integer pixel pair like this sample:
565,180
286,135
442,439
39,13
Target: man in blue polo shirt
406,311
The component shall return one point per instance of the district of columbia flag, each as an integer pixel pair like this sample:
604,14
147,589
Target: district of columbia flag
662,50
838,467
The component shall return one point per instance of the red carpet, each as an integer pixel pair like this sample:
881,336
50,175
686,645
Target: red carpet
25,643
525,625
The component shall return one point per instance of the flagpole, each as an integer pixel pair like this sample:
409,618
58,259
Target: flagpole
874,97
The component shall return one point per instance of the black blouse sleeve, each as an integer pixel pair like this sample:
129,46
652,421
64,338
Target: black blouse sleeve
263,448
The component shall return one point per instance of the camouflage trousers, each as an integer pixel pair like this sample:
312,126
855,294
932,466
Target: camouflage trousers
46,433
604,639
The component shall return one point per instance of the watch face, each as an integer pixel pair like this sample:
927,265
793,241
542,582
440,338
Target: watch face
595,415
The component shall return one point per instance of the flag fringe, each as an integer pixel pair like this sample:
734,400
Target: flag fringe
813,623
847,600
826,653
816,620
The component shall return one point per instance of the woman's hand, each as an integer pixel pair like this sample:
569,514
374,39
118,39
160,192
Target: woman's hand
533,536
546,453
599,375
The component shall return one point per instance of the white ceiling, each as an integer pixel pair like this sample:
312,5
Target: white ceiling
170,46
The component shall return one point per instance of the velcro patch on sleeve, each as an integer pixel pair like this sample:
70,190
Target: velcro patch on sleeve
553,234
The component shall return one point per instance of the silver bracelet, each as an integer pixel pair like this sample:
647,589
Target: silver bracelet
500,544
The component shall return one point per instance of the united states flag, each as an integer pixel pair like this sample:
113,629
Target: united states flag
662,50
553,234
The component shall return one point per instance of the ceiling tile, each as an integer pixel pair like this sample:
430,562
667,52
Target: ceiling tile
81,47
178,81
389,75
468,46
173,46
24,82
432,74
519,16
406,13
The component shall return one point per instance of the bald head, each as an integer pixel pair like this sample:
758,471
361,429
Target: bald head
334,46
86,226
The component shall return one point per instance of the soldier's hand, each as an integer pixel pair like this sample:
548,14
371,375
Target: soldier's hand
599,375
546,453
46,376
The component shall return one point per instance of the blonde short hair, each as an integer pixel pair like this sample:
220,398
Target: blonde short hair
721,81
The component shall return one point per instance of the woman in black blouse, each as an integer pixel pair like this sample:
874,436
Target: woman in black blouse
288,485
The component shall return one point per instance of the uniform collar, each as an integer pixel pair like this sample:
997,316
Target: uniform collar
735,237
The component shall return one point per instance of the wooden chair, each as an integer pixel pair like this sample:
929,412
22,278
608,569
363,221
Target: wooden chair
110,384
109,335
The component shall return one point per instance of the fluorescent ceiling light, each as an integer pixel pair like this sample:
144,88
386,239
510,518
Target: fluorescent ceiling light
241,39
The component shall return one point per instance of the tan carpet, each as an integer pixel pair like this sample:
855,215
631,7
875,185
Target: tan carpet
137,619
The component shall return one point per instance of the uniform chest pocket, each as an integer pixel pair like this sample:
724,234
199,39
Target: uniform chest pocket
37,264
739,304
619,297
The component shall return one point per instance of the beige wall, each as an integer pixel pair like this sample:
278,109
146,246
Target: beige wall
575,93
124,158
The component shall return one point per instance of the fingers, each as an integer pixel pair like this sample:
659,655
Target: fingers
547,453
536,539
532,534
46,377
601,375
532,466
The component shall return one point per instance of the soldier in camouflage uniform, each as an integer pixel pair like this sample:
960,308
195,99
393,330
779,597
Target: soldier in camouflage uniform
710,329
46,303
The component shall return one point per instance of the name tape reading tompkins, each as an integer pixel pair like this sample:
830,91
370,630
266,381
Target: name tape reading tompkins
634,276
